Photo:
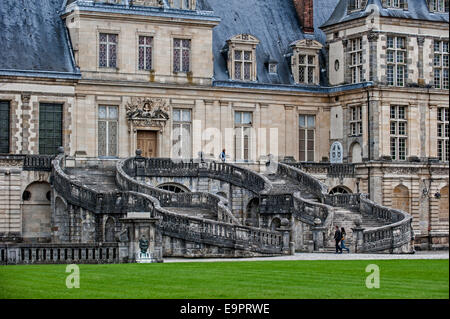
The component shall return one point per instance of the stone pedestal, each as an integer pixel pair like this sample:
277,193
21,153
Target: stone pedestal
358,233
142,224
318,238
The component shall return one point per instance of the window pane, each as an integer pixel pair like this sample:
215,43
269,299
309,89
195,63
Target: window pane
4,127
176,115
247,118
237,117
301,121
186,115
50,128
311,121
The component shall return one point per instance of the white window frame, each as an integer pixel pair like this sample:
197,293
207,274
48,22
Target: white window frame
356,60
437,6
441,64
185,125
243,61
308,67
108,44
399,132
243,131
356,120
443,134
398,77
307,127
145,46
108,120
181,48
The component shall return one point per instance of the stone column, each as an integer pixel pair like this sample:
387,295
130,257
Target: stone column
318,235
26,122
421,78
373,56
285,229
358,234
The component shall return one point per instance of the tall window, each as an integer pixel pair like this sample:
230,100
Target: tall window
50,128
145,52
356,60
440,64
181,55
243,131
396,61
107,130
442,126
356,4
243,61
181,133
393,3
108,50
356,120
399,132
4,127
307,128
306,68
439,5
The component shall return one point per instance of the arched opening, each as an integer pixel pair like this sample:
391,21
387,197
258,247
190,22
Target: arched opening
110,230
252,213
174,188
355,154
400,198
36,212
443,204
275,224
340,190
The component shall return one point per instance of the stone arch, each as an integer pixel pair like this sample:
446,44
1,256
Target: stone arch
110,230
275,224
252,212
36,212
174,187
341,189
400,198
355,153
443,204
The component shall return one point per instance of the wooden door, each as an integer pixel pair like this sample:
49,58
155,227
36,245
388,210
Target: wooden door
147,143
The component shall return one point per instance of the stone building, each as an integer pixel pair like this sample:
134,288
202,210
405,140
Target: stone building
353,92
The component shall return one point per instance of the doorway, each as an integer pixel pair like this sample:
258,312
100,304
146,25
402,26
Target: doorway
147,143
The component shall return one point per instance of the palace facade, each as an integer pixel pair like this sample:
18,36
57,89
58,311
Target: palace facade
354,92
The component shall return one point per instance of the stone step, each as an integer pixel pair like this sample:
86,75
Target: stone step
103,180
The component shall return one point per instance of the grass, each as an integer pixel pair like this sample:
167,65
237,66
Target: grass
402,279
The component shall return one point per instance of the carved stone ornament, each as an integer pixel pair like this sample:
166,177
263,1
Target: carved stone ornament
148,111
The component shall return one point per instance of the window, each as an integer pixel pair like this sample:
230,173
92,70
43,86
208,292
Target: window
396,61
307,125
356,121
440,64
273,67
107,130
108,50
145,52
399,133
243,131
181,55
356,60
442,134
306,69
396,4
181,133
4,127
438,5
50,128
243,65
183,4
356,4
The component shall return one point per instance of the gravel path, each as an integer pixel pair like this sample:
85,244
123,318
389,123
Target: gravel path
321,256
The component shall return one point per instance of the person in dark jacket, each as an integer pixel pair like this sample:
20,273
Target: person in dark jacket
337,239
343,237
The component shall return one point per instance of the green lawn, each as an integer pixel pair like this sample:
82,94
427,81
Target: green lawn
240,280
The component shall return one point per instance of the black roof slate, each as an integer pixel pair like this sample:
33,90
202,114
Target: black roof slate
417,10
33,39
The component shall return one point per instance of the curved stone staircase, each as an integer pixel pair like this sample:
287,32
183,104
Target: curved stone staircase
206,219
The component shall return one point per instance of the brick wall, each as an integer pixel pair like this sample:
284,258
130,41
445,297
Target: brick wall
305,12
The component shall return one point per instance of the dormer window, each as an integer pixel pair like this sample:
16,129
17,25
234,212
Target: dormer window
273,67
395,4
242,57
438,5
183,4
354,5
305,62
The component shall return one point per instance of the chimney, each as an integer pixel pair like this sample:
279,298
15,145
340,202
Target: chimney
305,12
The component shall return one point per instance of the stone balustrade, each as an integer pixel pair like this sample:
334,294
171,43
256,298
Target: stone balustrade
29,162
331,170
70,253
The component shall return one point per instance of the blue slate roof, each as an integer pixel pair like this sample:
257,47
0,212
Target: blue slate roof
34,41
274,23
417,10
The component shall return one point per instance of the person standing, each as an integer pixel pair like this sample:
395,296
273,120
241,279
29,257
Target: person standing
223,156
337,239
344,235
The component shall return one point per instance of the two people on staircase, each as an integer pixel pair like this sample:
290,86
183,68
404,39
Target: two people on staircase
339,238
